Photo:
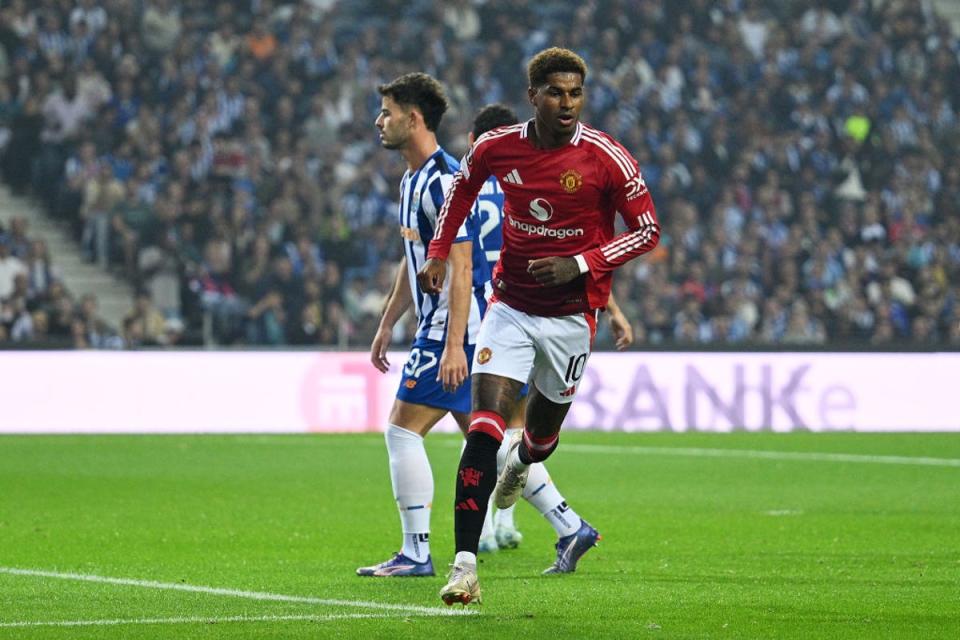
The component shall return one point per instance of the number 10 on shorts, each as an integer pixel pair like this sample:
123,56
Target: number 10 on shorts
575,368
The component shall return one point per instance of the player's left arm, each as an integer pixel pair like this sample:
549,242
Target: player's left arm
453,362
632,200
642,236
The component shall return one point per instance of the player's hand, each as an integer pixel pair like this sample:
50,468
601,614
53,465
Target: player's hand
622,331
378,349
453,368
431,275
553,271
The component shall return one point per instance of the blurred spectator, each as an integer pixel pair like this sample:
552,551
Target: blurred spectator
10,267
144,323
161,26
40,273
90,14
65,111
101,195
16,237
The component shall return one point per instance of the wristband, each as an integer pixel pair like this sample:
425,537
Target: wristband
582,263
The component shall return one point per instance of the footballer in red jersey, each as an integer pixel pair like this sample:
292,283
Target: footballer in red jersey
564,184
559,202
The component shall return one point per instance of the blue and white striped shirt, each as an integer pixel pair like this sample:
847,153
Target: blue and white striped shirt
490,210
421,197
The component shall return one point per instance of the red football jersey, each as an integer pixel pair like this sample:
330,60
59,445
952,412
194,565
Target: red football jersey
559,202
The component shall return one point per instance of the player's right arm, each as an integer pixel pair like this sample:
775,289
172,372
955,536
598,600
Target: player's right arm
467,183
398,301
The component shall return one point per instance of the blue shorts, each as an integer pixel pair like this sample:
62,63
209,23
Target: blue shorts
419,384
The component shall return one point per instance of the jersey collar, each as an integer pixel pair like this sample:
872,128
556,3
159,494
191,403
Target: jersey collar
575,140
436,152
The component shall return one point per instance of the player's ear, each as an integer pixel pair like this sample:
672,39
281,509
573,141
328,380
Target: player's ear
470,139
532,95
414,117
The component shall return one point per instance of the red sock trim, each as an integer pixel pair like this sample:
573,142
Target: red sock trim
489,423
539,444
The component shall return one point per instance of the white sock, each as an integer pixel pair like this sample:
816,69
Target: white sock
513,460
504,518
465,557
412,481
544,496
505,449
416,546
488,528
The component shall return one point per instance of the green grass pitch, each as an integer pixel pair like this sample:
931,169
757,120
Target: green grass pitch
697,543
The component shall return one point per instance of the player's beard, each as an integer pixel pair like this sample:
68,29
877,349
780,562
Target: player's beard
393,146
548,121
393,142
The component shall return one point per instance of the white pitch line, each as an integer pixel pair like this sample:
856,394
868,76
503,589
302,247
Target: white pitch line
699,452
236,593
190,620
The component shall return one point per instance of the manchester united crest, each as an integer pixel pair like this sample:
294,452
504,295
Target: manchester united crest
484,356
571,181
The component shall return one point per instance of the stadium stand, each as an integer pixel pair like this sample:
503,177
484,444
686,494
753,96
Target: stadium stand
222,157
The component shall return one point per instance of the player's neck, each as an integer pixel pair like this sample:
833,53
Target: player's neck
419,149
543,138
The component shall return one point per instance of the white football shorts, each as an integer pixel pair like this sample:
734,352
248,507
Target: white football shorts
551,353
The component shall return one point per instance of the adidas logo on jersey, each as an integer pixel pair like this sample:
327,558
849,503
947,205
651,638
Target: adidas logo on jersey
513,177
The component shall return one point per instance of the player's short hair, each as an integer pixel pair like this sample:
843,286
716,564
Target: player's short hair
491,117
554,60
419,90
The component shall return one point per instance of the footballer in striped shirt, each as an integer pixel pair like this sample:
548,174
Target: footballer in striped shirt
411,109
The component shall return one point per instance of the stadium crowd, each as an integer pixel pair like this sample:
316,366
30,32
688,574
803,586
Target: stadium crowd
803,156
